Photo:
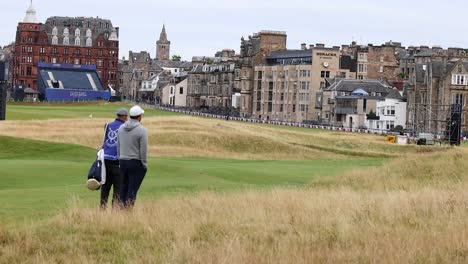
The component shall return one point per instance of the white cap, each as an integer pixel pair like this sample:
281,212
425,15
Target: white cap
136,111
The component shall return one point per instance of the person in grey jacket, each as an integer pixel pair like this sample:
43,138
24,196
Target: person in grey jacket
133,156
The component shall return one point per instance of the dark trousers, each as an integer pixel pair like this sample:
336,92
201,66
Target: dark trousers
112,179
132,172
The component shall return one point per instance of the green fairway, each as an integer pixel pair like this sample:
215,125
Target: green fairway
41,111
38,178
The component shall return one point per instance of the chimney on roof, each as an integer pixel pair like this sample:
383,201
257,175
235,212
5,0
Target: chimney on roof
320,45
311,46
303,46
336,47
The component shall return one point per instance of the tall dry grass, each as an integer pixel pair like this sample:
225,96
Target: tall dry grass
412,211
200,137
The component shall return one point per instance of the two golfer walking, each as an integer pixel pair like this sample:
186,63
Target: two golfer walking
126,157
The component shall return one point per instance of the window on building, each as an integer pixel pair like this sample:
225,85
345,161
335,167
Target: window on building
77,32
100,53
30,49
77,42
457,99
99,63
65,51
259,106
28,71
362,68
294,108
54,60
66,32
88,52
325,74
88,62
381,69
282,97
54,40
66,41
77,52
88,25
381,58
42,50
65,61
259,75
460,79
362,56
181,90
270,107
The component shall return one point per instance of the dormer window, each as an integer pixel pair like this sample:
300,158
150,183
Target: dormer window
54,40
66,32
55,31
66,41
89,33
77,42
88,24
459,79
77,32
89,42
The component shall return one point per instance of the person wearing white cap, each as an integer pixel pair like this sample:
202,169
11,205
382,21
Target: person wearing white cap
133,155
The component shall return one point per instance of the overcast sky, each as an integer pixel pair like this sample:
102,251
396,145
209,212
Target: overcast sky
202,27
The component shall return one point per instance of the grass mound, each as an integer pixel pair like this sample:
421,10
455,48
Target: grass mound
184,136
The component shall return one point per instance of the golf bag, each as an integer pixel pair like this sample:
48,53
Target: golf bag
97,172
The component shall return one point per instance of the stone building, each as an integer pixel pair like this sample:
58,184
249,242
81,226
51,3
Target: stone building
285,87
133,72
163,46
347,102
211,82
254,51
377,62
439,82
65,40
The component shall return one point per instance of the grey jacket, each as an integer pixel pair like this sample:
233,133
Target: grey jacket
132,142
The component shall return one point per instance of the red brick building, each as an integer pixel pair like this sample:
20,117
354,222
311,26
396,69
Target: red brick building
65,40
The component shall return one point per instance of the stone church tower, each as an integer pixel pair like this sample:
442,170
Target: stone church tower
163,46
